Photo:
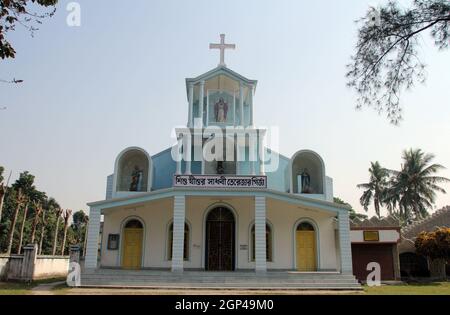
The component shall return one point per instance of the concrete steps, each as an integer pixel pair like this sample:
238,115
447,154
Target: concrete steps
219,280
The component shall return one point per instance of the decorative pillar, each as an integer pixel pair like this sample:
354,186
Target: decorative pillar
344,242
260,234
200,101
74,253
188,153
28,262
179,205
262,134
252,91
191,105
241,103
252,149
179,154
93,235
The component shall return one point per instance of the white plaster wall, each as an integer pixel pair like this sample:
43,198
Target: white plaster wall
385,236
155,216
47,267
283,217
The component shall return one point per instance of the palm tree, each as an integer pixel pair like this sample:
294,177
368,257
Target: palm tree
413,188
375,189
38,210
25,213
20,200
66,217
58,212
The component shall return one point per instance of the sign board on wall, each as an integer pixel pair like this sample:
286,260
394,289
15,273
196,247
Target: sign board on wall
220,181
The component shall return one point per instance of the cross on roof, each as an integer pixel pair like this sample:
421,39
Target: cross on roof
222,46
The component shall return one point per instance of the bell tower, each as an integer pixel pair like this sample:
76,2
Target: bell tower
221,100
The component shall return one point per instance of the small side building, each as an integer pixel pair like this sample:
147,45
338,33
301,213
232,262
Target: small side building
411,264
375,240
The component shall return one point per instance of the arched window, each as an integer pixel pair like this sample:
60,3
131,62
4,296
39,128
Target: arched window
133,168
268,242
308,173
186,242
305,226
134,224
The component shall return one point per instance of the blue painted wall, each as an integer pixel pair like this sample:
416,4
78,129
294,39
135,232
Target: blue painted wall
164,167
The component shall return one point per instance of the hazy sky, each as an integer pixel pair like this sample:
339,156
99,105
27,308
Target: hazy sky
118,81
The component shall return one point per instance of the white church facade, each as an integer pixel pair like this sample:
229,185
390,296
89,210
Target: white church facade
180,210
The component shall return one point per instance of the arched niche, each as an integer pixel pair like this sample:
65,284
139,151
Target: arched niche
306,162
133,171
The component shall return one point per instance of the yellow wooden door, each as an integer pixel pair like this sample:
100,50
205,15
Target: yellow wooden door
132,248
306,251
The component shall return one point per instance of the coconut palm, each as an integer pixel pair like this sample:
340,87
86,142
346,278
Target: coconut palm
413,188
20,199
66,217
375,189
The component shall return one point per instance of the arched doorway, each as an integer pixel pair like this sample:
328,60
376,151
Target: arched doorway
305,239
133,233
220,240
413,265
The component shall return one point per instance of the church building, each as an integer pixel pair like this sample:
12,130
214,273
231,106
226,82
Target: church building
219,199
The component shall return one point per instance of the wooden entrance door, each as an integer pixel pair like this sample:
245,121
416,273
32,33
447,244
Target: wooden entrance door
306,250
220,240
132,248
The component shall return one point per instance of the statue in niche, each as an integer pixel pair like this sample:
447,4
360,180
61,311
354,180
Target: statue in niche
221,110
220,169
306,182
136,179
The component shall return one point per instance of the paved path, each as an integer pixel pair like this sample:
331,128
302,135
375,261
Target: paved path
45,288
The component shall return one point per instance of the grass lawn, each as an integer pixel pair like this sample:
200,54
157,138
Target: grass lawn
21,288
12,288
434,288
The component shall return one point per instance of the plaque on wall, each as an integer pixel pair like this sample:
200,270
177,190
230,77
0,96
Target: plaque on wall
113,241
371,236
243,247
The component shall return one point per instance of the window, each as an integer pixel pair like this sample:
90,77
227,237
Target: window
186,242
268,243
113,241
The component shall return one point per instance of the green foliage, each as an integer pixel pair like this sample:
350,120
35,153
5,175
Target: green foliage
375,188
50,206
413,189
2,169
408,193
352,213
26,13
386,60
435,245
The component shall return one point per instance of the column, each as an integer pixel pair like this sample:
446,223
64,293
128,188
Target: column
188,153
252,149
262,134
191,105
179,205
28,262
92,242
179,145
241,103
260,234
344,242
200,98
252,91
